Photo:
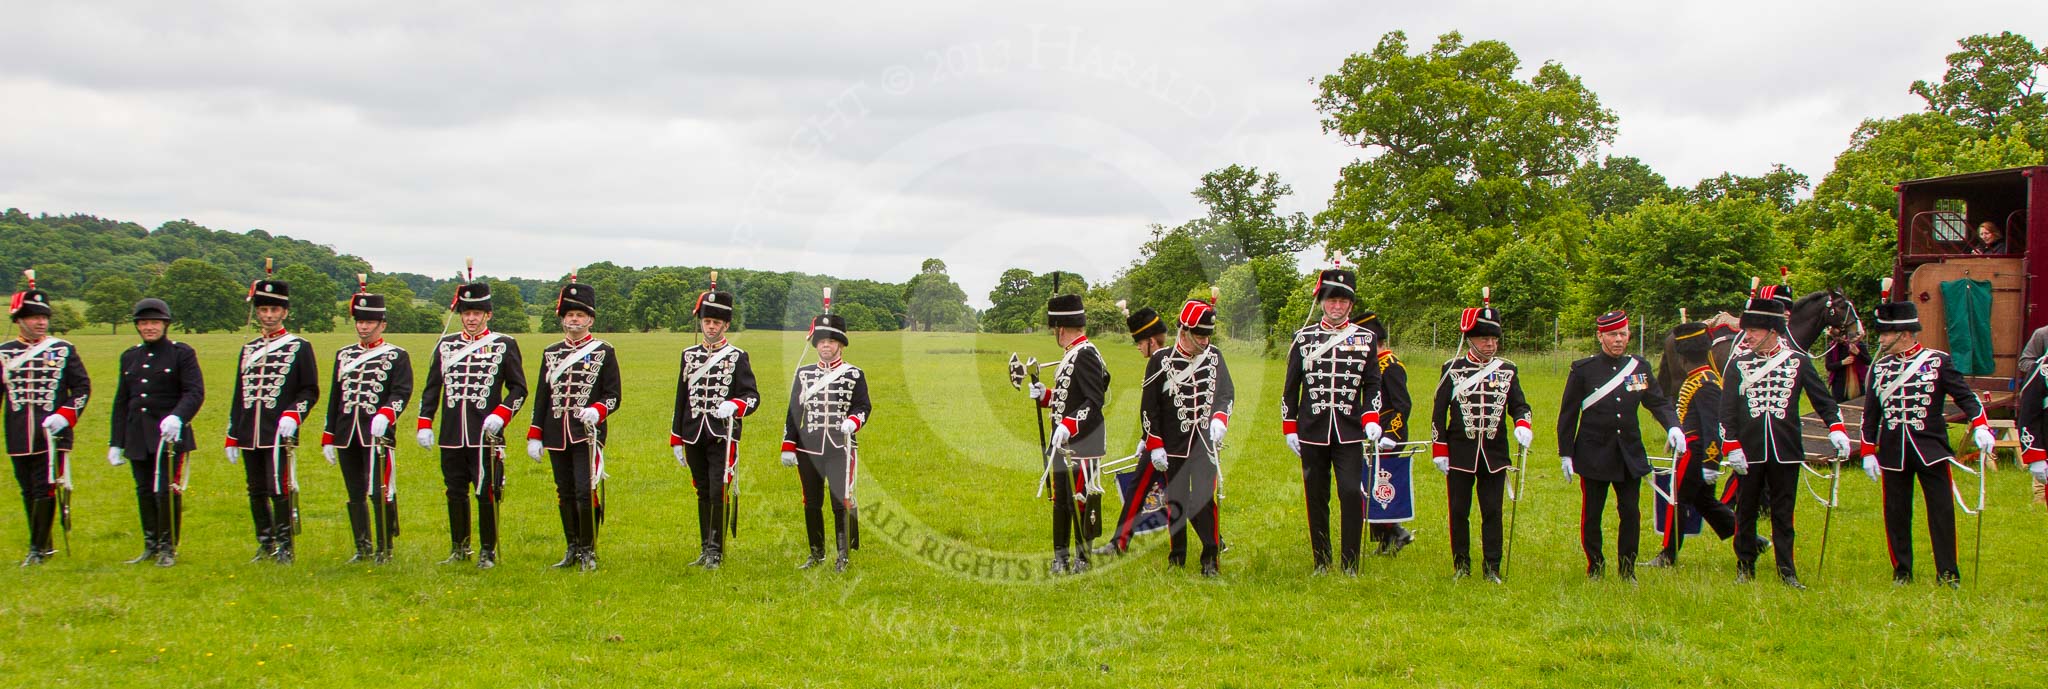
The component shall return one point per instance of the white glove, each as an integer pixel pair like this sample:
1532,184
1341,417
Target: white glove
1372,430
1294,444
1987,444
1060,436
378,425
533,449
330,453
1566,462
1159,459
493,424
848,426
2038,469
1870,467
1524,436
1711,475
725,410
114,458
1216,430
1140,452
1443,464
54,423
789,459
589,416
1737,462
1036,391
1841,442
426,438
171,427
679,455
234,455
1387,444
287,428
1674,440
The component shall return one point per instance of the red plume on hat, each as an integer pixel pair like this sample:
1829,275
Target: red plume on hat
14,304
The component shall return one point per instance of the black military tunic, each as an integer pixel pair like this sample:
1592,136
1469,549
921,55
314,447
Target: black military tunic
575,376
1699,417
820,398
710,377
1760,417
39,380
1602,436
368,383
1395,407
276,377
157,379
469,379
1331,391
1080,386
1478,403
1905,427
1182,392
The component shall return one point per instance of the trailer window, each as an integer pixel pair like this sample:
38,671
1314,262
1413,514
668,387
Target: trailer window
1948,221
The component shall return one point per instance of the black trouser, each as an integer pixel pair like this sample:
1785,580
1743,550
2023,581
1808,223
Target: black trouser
574,496
1490,486
38,496
467,471
267,473
1191,496
1127,520
1690,491
1347,462
820,473
158,498
1775,484
1627,510
707,459
357,478
1936,487
1070,506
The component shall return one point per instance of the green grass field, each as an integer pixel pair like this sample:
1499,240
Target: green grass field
949,588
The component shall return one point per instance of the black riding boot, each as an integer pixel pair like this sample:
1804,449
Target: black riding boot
146,503
359,527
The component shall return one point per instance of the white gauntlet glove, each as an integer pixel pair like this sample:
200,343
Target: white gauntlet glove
1159,459
1294,444
287,428
330,453
725,410
171,427
55,423
1216,430
533,449
789,459
114,457
1567,463
589,416
1870,467
379,425
426,438
1987,444
493,425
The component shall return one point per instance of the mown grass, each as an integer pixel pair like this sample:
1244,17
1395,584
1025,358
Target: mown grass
949,590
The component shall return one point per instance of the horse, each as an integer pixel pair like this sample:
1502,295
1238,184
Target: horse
1826,312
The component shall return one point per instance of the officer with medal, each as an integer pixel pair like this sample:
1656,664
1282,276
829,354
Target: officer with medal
1761,434
1698,466
828,405
159,389
1479,402
1080,386
1905,436
1329,411
277,381
1185,410
475,382
1395,405
1599,441
371,385
44,386
579,391
715,392
1148,334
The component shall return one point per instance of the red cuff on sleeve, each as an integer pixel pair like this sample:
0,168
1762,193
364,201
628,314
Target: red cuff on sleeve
70,415
2034,455
294,416
742,404
788,446
1045,400
426,424
1730,447
504,414
602,412
1979,422
1838,428
1225,418
1522,423
674,439
326,438
390,415
1073,427
1152,442
1868,448
231,442
1288,428
1369,417
1439,450
858,423
533,433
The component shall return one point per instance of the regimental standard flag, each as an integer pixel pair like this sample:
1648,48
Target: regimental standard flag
1661,507
1152,511
1390,490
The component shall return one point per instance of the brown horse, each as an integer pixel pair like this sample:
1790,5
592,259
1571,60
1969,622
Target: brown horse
1816,314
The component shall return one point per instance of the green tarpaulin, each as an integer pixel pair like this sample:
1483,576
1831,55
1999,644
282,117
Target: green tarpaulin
1968,305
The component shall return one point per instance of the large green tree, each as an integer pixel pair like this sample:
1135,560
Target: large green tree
1663,256
315,299
936,302
1616,185
111,299
202,296
661,302
1993,85
1243,221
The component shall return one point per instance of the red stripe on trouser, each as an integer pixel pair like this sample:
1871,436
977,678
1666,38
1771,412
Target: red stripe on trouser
1131,507
1728,494
1584,497
1884,496
732,456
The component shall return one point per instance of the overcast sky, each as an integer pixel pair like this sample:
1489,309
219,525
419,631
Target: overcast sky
852,142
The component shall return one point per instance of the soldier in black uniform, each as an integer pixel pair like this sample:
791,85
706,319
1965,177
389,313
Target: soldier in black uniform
1599,441
715,392
159,388
2030,420
276,384
1080,385
1479,401
1905,437
1148,334
1760,413
1699,465
1329,410
1395,405
828,404
476,378
43,383
579,391
1185,410
371,385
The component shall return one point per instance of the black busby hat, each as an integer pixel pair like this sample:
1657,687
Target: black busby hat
1144,324
364,306
1894,316
1198,317
714,304
29,302
1691,341
829,326
1483,321
1066,311
576,296
1336,282
1763,312
151,309
268,292
1371,322
475,296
